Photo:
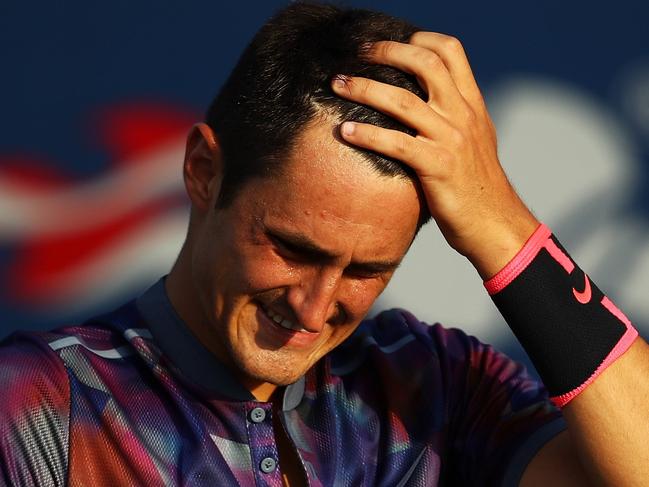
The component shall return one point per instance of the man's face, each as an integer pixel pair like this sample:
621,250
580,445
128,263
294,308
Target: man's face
289,269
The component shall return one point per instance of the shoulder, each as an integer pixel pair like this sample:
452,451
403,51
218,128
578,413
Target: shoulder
496,413
119,334
43,375
398,332
34,411
396,349
396,343
36,366
31,370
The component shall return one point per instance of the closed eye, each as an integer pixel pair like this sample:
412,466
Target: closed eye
296,251
298,248
369,271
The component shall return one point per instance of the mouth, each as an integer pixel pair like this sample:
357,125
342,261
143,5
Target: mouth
283,322
283,332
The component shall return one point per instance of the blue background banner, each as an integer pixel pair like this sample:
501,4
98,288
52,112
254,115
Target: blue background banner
97,99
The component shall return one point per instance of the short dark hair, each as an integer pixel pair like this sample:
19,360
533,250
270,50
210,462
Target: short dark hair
282,81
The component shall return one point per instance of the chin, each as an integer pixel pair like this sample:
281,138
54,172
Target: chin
272,369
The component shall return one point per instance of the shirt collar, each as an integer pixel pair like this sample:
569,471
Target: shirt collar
189,355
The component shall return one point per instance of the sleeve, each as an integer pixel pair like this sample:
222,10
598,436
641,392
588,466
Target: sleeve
499,416
34,413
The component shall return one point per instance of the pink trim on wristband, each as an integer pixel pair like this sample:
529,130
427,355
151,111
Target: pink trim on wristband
615,311
622,346
558,255
520,261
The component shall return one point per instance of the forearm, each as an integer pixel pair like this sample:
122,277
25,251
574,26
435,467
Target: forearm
609,421
588,354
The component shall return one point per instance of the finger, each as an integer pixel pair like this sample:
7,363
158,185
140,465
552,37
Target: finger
392,143
398,103
426,65
451,51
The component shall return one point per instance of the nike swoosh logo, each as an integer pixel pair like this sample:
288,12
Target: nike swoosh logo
584,296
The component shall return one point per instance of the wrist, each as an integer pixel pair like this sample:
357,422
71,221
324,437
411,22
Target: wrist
571,331
499,244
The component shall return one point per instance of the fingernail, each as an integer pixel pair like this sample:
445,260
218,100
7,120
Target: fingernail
348,128
338,83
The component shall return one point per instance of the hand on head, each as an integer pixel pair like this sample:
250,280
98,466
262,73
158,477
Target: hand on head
454,151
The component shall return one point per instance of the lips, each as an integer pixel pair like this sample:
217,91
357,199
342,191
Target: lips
284,322
283,330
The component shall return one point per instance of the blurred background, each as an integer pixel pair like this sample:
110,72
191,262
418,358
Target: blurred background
96,100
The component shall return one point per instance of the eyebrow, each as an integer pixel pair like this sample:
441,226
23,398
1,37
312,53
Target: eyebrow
307,247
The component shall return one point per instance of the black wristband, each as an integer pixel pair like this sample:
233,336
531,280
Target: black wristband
569,328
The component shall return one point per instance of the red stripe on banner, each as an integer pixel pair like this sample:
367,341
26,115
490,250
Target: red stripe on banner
24,173
129,131
39,263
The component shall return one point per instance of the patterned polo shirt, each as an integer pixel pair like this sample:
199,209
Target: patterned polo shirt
132,398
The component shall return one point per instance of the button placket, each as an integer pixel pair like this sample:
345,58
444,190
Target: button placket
268,465
263,447
257,415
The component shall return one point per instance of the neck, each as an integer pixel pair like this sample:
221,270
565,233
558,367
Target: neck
263,391
180,290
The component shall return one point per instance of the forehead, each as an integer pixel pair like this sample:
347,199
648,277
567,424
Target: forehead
329,191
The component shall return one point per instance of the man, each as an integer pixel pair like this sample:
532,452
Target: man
248,364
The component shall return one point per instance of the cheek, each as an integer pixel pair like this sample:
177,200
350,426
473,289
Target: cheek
358,296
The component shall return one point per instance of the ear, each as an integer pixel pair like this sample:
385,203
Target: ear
203,167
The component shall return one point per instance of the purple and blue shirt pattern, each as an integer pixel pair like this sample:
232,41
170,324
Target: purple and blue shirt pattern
132,398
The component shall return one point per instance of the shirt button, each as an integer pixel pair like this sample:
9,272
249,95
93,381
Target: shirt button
268,465
257,415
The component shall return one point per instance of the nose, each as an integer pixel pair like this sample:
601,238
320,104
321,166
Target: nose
314,298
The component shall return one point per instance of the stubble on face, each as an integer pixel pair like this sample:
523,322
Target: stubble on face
327,194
